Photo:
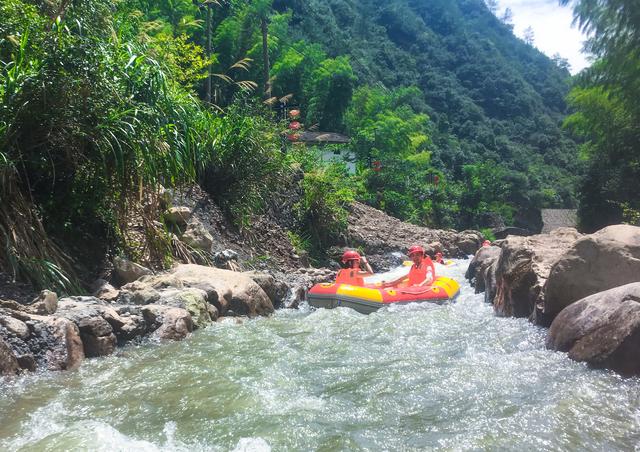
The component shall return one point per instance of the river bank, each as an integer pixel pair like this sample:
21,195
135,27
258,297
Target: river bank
247,273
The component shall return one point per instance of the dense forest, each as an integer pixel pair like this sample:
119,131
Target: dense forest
103,102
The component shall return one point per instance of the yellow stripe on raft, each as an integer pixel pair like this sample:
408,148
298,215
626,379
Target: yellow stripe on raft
448,285
363,293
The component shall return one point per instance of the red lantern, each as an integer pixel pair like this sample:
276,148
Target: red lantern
294,113
436,180
295,125
293,136
377,165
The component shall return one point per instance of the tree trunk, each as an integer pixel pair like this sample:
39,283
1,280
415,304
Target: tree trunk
207,95
265,58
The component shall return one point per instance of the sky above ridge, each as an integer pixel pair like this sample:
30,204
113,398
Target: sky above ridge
552,27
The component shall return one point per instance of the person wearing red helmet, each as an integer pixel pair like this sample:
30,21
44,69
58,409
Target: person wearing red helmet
439,258
351,273
422,272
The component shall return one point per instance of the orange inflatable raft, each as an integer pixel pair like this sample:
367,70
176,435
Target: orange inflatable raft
371,297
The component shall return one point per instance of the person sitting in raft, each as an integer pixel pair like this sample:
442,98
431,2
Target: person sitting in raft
422,272
439,258
351,273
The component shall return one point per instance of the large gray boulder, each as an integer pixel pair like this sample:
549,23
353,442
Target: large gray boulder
476,271
105,291
523,268
168,323
98,337
140,293
597,262
127,322
41,342
128,271
8,362
69,353
87,326
170,292
13,325
226,290
275,289
488,276
602,329
192,300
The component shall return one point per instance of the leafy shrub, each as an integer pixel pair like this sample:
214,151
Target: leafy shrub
488,234
247,164
323,208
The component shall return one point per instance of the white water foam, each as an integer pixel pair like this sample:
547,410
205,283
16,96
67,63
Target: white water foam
252,445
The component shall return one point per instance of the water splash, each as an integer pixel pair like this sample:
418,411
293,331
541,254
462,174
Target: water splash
252,445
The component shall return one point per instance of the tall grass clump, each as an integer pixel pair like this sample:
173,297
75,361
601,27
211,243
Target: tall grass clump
327,191
248,164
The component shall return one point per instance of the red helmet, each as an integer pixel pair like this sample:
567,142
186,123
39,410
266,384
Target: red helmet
350,255
438,254
486,243
416,249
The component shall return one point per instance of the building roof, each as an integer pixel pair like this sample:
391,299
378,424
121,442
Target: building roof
323,138
558,218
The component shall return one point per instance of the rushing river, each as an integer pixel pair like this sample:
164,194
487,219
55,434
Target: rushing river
409,378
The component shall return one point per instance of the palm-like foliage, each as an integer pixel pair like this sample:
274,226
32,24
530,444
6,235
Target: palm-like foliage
613,27
88,119
607,111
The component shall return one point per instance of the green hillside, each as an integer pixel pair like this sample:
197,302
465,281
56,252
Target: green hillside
491,98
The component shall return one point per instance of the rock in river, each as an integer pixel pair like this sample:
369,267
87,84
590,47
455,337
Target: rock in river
609,258
602,329
167,322
97,334
224,289
36,341
8,362
192,300
483,258
275,289
523,268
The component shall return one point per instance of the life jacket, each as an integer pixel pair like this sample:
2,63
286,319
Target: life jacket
419,274
350,276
